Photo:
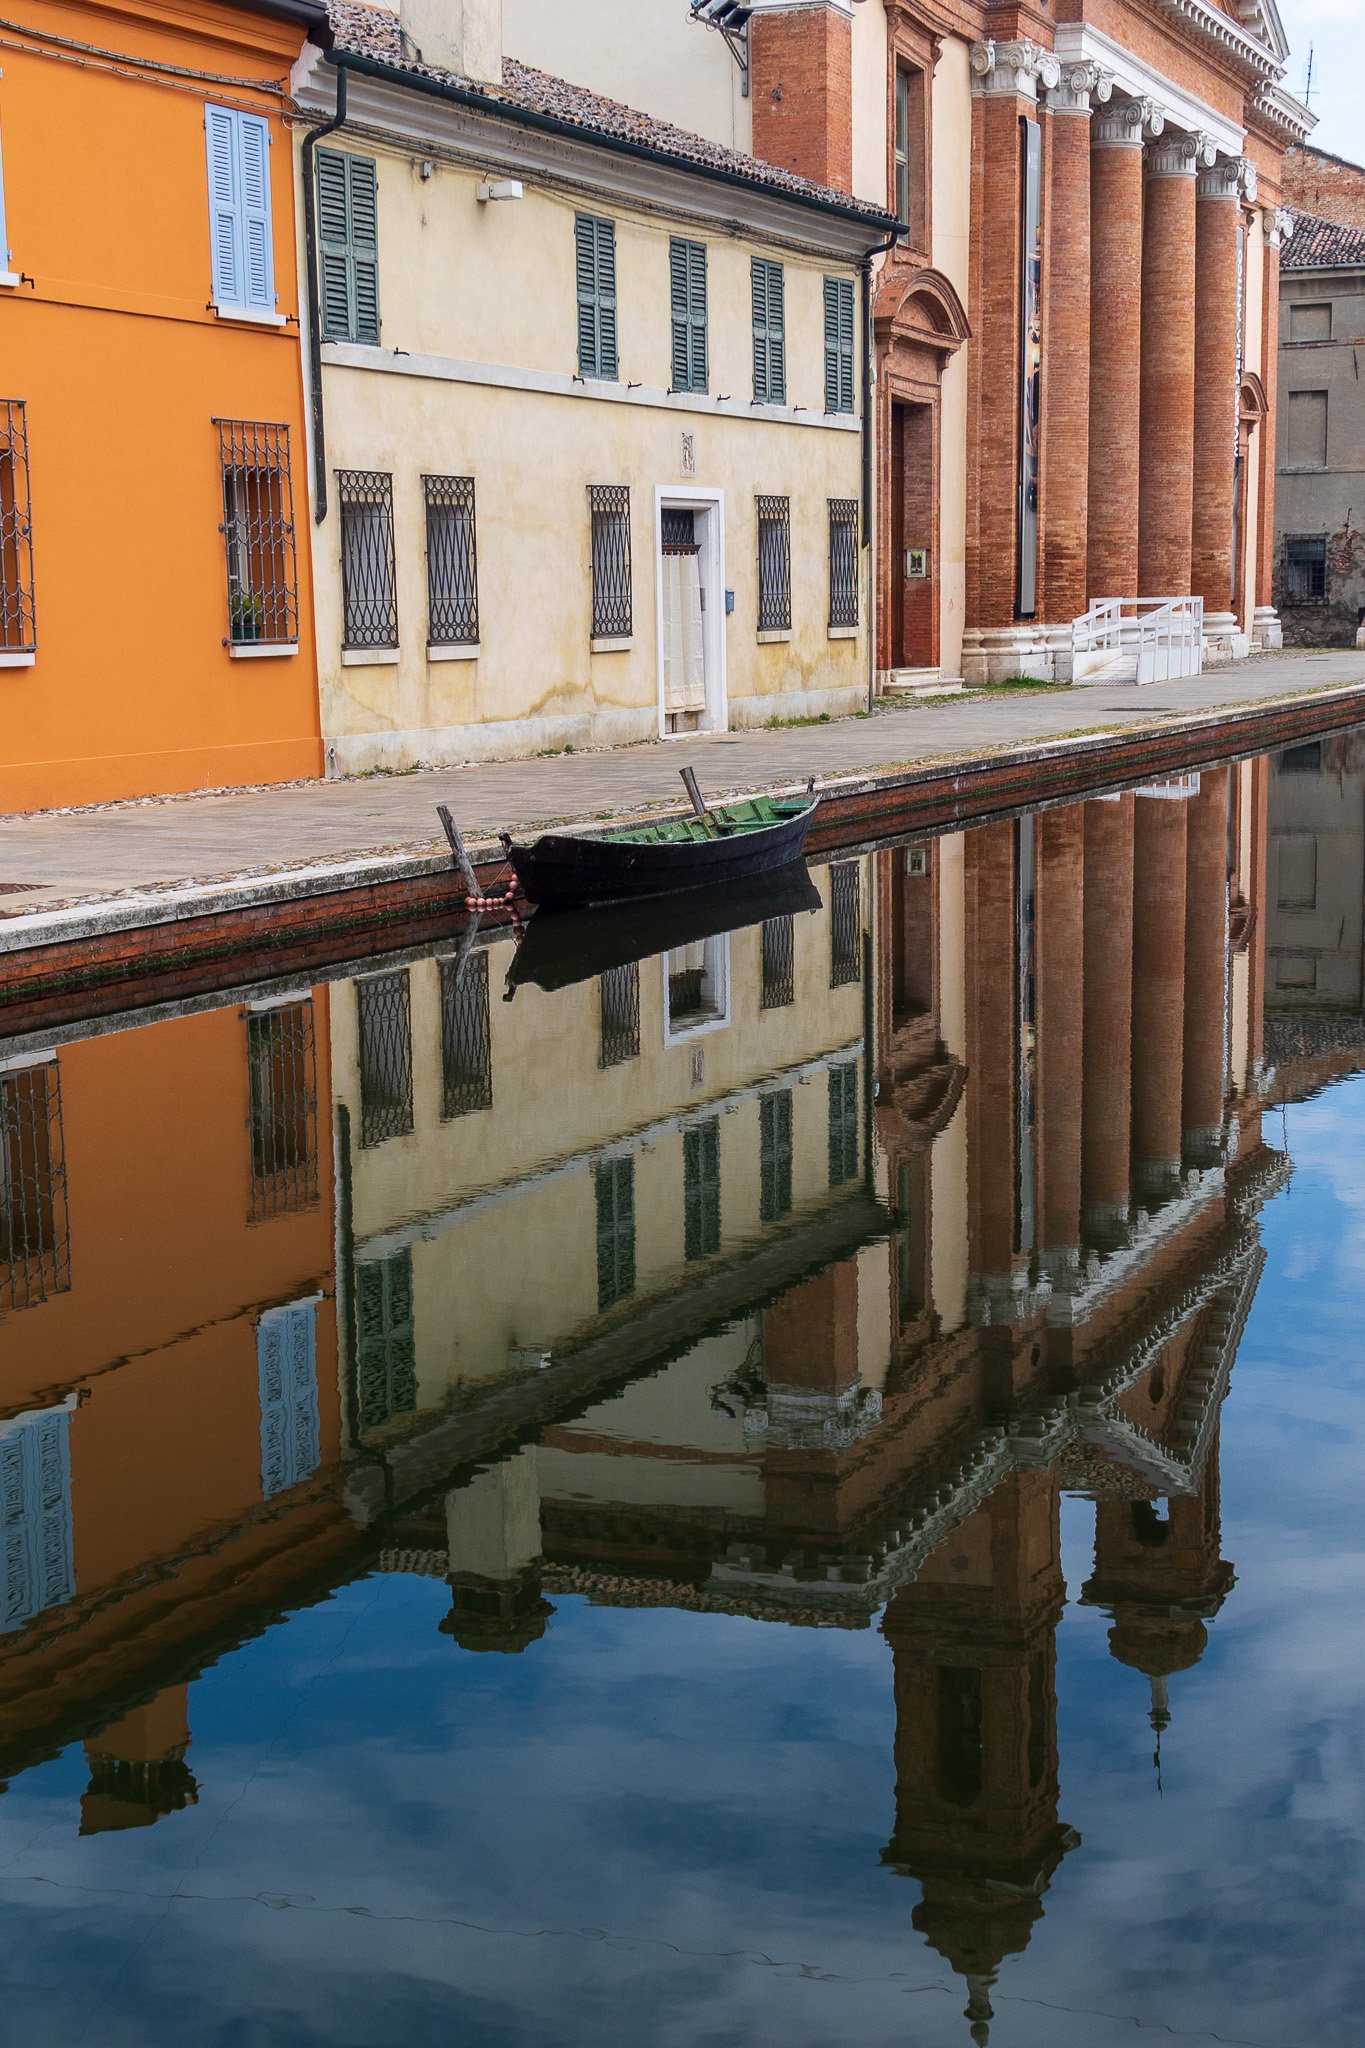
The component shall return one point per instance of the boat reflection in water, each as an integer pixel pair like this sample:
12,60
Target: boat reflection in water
794,1272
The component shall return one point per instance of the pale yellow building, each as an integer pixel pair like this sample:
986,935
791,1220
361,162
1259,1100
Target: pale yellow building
590,456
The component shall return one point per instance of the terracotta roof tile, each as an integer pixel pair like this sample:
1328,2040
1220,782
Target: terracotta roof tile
1323,245
374,32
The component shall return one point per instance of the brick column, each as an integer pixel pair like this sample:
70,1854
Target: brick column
1206,968
1266,629
1107,979
1166,437
1115,377
1066,352
1059,911
801,88
1158,989
1216,217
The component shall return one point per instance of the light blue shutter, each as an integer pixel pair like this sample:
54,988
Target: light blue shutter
259,267
227,228
36,1566
286,1363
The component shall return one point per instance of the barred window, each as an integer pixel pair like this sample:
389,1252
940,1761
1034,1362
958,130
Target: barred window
283,1100
614,1180
369,596
778,952
701,1189
620,996
845,924
387,1349
258,534
609,505
466,1038
843,1122
774,1154
35,1246
18,628
287,1369
843,561
1305,569
774,565
452,562
384,1017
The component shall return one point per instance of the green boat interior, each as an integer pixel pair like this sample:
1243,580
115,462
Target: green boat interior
753,814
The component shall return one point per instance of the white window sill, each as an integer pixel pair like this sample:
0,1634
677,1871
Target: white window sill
369,657
17,660
843,632
465,650
249,316
10,278
771,637
612,646
261,650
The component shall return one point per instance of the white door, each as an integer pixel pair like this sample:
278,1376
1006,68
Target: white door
684,624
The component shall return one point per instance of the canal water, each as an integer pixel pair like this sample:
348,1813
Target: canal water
793,1485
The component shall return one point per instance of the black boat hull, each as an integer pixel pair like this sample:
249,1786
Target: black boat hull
564,872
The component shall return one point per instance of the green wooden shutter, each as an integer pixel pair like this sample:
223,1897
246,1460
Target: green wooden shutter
838,344
758,295
348,245
595,276
687,297
768,291
364,210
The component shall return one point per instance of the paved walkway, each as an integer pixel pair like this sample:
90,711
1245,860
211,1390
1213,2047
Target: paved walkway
87,856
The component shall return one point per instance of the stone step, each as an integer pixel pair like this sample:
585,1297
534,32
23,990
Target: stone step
921,682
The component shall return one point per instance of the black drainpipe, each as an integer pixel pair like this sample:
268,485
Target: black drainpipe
869,445
310,256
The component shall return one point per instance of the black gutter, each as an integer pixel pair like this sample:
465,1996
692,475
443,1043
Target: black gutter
869,448
310,259
620,145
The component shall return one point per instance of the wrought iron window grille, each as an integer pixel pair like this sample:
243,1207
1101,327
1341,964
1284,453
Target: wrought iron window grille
18,619
384,1017
701,1189
452,562
369,594
35,1243
387,1350
774,1155
1305,569
258,533
778,959
774,565
609,506
843,561
620,996
843,1122
845,924
466,1037
614,1183
283,1109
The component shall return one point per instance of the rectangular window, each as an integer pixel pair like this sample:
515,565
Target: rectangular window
369,594
287,1370
843,561
909,153
687,302
595,272
348,246
620,995
845,924
241,244
1297,871
1308,429
1312,322
774,565
283,1109
258,533
701,1189
838,344
609,506
778,953
1296,970
18,621
774,1155
1301,760
768,292
452,562
387,1348
466,1038
384,1021
37,1569
843,1122
1305,569
697,986
35,1244
614,1180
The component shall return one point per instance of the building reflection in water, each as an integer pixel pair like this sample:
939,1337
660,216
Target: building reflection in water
794,1273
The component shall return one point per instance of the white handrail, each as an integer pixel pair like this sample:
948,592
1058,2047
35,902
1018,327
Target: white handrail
1166,634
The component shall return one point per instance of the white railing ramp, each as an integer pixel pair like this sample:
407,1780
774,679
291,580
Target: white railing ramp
1138,640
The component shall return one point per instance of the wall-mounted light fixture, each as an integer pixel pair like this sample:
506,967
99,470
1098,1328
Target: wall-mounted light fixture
498,188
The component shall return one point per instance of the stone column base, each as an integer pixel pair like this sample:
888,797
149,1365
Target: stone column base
1224,639
998,654
1266,630
1106,1224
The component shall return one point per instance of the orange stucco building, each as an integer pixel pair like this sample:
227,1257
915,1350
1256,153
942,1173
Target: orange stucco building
155,598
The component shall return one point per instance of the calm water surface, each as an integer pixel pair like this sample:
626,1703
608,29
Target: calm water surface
803,1488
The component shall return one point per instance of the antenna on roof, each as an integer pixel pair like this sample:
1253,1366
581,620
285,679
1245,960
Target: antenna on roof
1308,76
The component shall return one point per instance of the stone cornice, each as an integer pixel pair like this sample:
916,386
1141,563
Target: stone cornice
1013,70
1282,112
1209,23
1164,103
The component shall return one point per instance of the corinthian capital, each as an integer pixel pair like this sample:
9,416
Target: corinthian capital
1175,156
1014,69
1120,125
1279,226
1222,181
1079,88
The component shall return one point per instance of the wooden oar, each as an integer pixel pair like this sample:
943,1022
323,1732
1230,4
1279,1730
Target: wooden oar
689,776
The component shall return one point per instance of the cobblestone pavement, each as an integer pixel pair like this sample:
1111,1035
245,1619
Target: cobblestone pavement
83,856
